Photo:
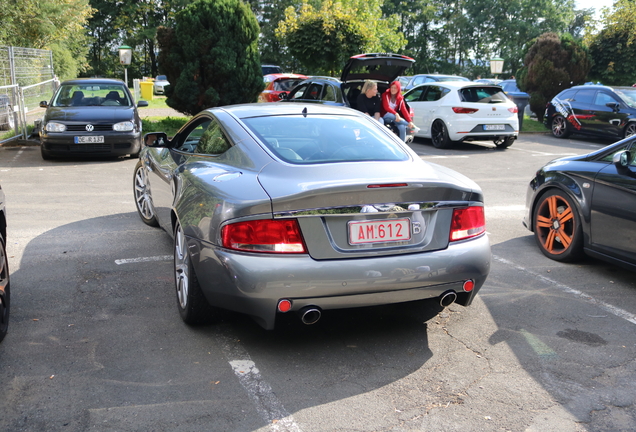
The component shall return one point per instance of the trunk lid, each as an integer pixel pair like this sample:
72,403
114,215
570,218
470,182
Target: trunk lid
349,210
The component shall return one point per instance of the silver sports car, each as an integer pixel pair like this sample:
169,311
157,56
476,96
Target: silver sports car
279,208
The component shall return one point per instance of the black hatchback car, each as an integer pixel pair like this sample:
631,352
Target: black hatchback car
585,204
383,68
598,110
91,116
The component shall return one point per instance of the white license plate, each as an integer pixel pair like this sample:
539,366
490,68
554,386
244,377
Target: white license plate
88,139
379,231
494,127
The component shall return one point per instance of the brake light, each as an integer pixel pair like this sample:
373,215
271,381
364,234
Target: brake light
462,110
467,222
514,110
264,235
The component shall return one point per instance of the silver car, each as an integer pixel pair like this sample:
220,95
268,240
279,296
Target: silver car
286,207
161,81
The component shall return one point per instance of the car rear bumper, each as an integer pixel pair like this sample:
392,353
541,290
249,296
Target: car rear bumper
254,283
115,145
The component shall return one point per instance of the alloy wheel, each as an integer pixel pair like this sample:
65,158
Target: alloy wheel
555,224
181,267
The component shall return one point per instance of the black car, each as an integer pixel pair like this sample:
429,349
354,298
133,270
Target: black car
91,116
383,68
585,204
5,292
598,110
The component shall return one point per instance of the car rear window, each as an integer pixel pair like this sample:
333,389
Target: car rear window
286,84
485,94
316,139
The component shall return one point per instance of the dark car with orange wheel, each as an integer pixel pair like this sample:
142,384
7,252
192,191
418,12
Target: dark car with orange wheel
586,205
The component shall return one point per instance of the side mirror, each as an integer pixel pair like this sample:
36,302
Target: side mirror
613,105
156,139
283,95
621,159
142,103
44,104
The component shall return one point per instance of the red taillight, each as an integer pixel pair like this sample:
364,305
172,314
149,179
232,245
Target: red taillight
469,285
514,110
264,235
462,110
467,222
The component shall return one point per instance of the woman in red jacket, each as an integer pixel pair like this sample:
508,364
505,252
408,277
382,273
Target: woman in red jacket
394,109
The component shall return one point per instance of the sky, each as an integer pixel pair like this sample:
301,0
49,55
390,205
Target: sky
598,4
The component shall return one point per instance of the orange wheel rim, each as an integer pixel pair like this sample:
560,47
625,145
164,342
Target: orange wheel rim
555,224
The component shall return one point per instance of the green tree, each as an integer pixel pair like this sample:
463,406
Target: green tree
322,39
211,56
613,49
552,64
270,13
135,24
48,24
416,23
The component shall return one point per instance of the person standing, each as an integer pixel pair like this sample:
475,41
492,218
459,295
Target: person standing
394,109
369,102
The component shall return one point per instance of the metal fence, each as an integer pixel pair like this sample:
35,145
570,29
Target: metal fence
26,78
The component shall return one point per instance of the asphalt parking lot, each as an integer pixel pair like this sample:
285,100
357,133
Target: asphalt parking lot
96,343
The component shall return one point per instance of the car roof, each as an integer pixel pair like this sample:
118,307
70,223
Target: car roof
283,108
82,81
274,77
456,84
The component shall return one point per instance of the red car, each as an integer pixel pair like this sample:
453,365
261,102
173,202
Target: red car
275,84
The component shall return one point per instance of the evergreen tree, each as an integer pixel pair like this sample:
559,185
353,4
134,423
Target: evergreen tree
552,64
614,48
211,56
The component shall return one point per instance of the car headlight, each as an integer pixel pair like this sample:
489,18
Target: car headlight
126,126
55,127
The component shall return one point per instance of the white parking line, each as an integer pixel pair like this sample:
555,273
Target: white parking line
143,259
259,391
569,290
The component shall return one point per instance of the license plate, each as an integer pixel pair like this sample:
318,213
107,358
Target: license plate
379,231
494,127
89,139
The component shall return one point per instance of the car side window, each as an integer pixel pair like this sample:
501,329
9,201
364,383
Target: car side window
415,95
434,93
418,80
585,96
604,98
567,96
206,137
300,92
213,141
313,92
330,94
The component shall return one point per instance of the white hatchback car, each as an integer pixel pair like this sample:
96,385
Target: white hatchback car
448,112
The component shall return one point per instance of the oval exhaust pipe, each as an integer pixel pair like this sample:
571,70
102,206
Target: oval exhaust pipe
310,314
448,298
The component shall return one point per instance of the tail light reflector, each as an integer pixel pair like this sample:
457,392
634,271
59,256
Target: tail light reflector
467,222
264,235
514,110
462,110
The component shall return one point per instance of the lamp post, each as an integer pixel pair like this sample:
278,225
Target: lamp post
496,66
125,57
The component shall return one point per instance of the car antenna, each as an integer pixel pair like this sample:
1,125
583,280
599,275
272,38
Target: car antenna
305,112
